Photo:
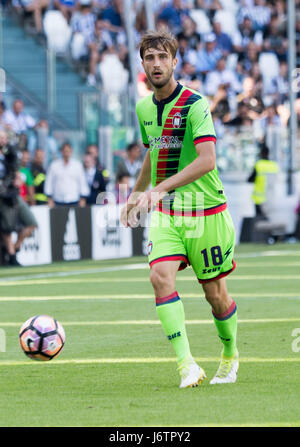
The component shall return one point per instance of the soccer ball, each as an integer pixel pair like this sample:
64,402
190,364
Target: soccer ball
42,337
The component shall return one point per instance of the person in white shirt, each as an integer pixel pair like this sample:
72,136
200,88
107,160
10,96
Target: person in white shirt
66,183
18,121
222,76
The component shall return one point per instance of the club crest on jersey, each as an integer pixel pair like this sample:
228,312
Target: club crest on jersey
177,120
149,248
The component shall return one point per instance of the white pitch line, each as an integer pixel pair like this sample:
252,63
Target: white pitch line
234,277
78,272
138,266
153,322
140,296
143,360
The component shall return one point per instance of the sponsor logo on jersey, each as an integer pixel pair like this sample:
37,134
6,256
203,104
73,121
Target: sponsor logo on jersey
148,123
177,120
164,142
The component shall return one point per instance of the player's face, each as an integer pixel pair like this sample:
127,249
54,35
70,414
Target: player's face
159,66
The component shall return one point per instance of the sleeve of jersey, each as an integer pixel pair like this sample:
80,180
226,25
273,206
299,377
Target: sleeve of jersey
142,128
201,122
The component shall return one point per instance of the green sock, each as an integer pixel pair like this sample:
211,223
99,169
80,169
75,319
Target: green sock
171,314
226,325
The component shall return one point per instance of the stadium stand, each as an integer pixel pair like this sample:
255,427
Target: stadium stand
233,51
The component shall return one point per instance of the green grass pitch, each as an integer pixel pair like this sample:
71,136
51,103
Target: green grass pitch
118,369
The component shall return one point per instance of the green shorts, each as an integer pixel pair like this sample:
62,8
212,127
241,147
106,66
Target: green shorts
205,242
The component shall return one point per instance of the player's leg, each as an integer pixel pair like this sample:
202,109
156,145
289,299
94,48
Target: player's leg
167,255
170,311
225,319
211,257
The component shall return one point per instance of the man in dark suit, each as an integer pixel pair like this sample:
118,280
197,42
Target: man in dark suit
94,179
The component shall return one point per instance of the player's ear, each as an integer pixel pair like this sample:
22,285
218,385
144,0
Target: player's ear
175,60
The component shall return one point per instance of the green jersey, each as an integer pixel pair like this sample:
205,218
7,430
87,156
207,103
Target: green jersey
171,128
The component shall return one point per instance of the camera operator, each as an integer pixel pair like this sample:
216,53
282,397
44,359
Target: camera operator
15,214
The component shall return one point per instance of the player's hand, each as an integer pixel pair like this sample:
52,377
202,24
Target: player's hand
125,213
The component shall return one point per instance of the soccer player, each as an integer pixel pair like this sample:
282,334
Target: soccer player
190,223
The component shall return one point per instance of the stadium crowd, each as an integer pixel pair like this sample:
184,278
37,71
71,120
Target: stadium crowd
235,52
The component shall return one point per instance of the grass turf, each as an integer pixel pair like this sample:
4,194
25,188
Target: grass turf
140,390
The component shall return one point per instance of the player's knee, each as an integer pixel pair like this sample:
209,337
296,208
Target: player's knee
159,278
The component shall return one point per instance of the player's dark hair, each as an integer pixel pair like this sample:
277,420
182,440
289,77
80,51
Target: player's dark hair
158,39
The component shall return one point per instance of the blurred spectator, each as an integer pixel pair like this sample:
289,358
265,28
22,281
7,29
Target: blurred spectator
83,25
39,177
252,97
242,118
210,6
3,125
246,34
18,120
222,76
224,42
27,186
219,105
174,14
66,184
113,18
98,44
36,8
189,31
280,84
262,167
259,13
42,138
249,57
188,76
131,165
274,40
92,149
94,179
185,53
122,188
208,56
269,117
66,7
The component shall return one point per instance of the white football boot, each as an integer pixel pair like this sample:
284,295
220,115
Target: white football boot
227,371
191,373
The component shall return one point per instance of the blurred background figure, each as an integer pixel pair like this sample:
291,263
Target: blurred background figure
94,178
262,168
131,165
39,177
66,183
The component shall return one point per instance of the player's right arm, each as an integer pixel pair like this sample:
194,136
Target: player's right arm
140,186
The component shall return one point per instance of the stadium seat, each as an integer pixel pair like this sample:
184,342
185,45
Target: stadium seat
78,48
57,31
269,68
230,5
268,65
113,75
202,21
227,20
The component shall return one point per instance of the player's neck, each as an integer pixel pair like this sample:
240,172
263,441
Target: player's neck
165,91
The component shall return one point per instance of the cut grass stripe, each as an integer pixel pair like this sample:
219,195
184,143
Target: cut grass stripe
143,360
141,296
189,278
153,322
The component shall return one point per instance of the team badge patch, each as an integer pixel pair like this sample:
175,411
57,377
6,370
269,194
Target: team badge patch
149,248
177,120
